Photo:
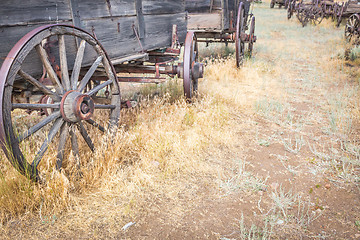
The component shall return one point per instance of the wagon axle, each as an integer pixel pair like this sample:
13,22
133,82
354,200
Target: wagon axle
76,106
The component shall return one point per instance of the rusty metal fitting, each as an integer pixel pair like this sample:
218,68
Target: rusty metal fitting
76,106
197,70
180,70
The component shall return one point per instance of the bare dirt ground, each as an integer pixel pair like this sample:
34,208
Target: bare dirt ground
270,151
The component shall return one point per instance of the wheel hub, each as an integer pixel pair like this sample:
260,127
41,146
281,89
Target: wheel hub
76,106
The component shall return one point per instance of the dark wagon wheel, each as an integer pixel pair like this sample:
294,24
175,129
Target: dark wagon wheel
75,115
191,67
240,28
286,4
251,36
352,29
272,3
317,15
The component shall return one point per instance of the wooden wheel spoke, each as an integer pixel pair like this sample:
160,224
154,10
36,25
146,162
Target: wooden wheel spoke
95,124
63,63
35,105
39,85
53,131
49,69
74,144
89,73
77,65
86,136
99,87
64,132
39,125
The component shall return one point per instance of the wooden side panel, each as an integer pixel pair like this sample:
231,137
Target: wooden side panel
158,29
119,38
163,6
197,6
226,14
205,21
23,12
91,9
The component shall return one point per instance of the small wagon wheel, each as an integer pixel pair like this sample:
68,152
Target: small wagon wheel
240,28
251,35
191,68
272,3
317,15
75,114
352,28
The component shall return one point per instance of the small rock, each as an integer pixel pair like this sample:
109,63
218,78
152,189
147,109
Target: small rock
280,222
327,186
357,236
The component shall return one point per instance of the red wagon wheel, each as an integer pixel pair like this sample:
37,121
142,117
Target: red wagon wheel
191,68
252,35
240,28
76,115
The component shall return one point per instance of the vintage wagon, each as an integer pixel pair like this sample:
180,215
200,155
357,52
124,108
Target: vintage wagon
345,10
306,11
62,61
223,21
328,7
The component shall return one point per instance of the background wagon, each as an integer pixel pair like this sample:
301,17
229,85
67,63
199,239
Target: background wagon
59,83
280,3
223,21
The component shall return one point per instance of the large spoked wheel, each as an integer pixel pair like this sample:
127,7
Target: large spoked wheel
191,67
240,28
352,28
51,104
251,36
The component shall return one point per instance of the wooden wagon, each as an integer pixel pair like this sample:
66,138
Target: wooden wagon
223,21
61,64
306,11
346,9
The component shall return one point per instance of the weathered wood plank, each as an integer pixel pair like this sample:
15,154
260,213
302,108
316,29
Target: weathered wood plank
163,6
90,9
210,21
20,12
158,30
197,6
119,39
